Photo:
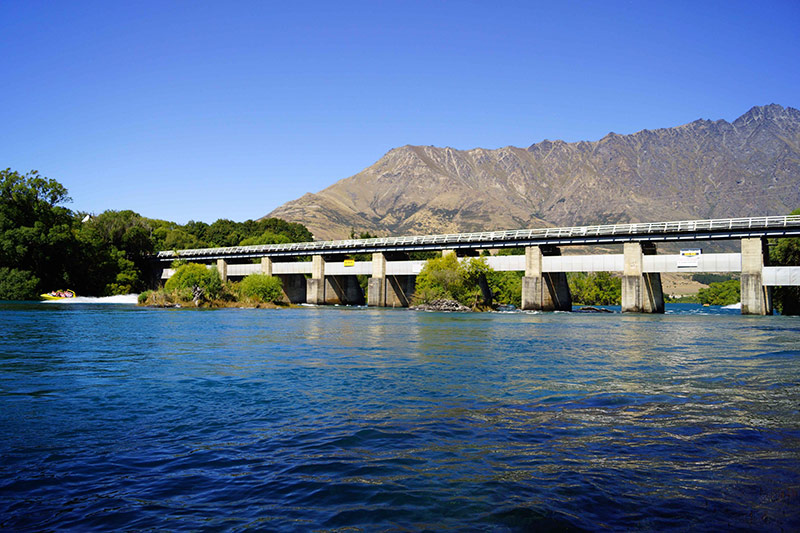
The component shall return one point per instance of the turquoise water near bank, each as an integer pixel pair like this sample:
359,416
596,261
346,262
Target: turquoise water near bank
118,417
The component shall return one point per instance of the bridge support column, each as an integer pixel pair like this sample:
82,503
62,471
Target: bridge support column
322,289
315,285
388,291
266,266
641,291
544,291
222,268
376,290
756,298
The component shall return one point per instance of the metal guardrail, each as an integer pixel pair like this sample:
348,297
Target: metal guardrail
775,226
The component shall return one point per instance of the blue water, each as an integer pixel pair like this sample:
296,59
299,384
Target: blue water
334,419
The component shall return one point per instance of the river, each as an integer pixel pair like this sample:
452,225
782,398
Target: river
347,419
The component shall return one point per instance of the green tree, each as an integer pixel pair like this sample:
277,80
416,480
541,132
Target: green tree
35,232
506,287
722,293
262,288
446,277
191,275
266,238
595,288
119,244
17,284
786,252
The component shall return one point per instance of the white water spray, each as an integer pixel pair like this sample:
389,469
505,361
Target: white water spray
118,299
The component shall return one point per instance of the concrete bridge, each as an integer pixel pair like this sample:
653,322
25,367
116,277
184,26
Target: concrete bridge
330,276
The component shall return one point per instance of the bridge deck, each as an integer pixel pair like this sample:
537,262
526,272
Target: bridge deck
687,230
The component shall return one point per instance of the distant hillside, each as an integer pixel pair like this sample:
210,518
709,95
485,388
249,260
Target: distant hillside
705,169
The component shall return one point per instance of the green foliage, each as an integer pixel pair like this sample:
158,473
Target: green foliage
686,299
116,246
506,287
193,275
511,251
262,288
45,246
708,279
786,252
595,288
448,278
266,238
35,231
723,293
18,284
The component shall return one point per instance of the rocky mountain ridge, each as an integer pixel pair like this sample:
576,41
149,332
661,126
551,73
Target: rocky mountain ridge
704,169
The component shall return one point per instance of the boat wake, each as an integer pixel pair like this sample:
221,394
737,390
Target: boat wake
119,299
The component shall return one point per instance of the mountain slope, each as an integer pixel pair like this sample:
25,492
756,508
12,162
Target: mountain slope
705,169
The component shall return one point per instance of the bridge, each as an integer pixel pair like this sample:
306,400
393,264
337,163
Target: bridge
332,279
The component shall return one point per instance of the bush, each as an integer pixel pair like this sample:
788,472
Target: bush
18,284
506,287
786,252
596,288
708,279
724,293
191,275
448,278
262,288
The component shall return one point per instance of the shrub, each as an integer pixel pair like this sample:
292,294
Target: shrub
191,275
724,293
596,288
448,278
708,279
262,288
17,284
506,287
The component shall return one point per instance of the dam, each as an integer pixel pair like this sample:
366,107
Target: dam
330,277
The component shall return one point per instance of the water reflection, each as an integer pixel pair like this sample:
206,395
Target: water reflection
379,419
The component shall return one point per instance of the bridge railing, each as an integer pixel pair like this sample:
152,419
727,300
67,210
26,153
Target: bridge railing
487,238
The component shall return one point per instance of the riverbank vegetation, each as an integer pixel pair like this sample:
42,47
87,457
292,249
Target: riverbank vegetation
595,288
786,252
45,246
447,278
196,285
720,293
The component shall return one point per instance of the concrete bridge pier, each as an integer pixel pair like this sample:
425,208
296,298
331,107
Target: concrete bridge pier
388,291
293,285
222,268
544,291
322,289
756,298
315,285
641,291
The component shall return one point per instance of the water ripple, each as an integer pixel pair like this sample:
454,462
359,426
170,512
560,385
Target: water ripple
337,419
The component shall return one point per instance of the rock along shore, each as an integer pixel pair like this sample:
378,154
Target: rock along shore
441,305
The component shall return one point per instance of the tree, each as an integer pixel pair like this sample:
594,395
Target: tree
262,288
119,244
786,252
722,293
595,288
448,278
36,235
191,275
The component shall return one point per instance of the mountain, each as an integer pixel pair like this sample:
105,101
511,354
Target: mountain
704,169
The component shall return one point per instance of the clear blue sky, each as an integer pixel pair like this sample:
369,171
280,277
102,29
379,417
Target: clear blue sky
205,110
